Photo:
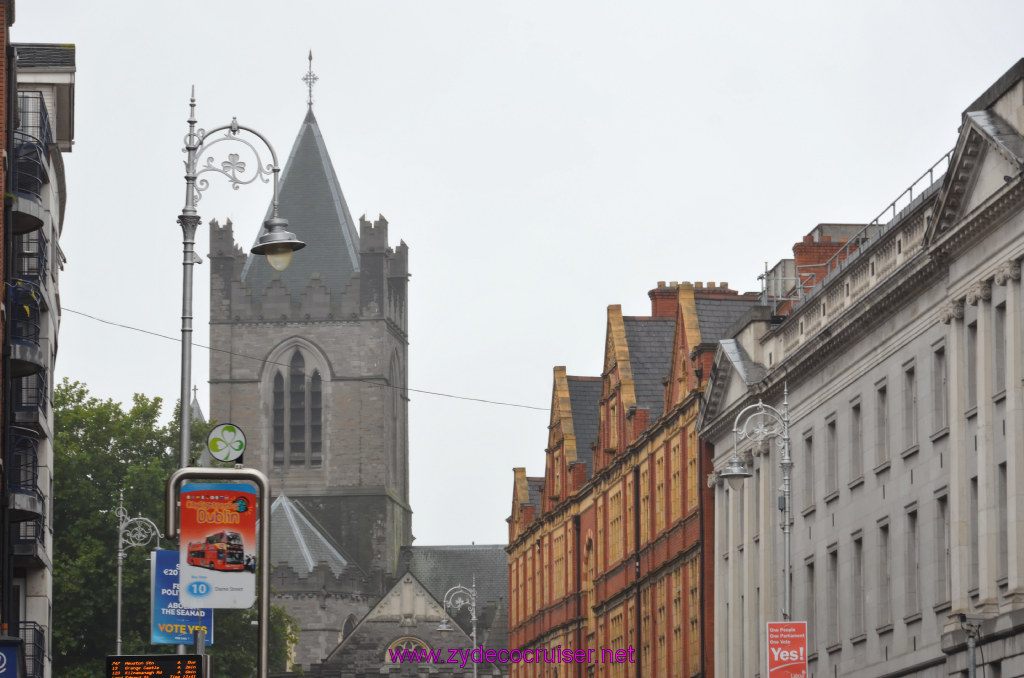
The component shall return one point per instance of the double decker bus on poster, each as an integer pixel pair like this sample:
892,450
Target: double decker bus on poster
224,551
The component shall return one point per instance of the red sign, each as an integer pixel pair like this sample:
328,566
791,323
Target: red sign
787,649
217,559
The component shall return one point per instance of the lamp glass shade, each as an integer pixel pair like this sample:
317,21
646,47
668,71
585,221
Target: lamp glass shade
735,472
279,255
736,482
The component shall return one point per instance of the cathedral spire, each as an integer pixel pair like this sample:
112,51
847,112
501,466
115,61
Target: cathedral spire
310,79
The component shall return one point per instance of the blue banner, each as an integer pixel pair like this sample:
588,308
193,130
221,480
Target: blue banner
173,623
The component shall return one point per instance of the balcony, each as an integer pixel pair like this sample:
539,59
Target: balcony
28,354
24,498
32,141
30,258
33,636
29,545
31,403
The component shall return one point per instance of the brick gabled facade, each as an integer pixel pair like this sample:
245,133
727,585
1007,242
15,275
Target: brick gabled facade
612,559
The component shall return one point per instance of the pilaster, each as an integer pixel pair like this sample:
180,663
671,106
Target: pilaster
1009,275
750,572
980,295
959,501
735,659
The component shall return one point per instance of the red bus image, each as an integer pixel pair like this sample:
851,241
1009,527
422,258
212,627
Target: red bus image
220,551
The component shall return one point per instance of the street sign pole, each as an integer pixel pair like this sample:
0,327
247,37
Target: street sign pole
263,487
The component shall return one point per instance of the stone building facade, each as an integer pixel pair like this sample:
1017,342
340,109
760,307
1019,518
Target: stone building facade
899,343
37,83
606,550
312,364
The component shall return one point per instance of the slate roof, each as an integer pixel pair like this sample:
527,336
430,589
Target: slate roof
716,316
584,399
48,56
1001,132
650,355
750,371
297,542
312,202
535,486
439,568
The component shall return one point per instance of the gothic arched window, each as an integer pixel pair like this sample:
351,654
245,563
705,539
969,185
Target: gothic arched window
298,415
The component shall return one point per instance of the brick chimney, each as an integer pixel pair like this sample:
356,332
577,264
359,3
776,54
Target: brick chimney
810,257
663,300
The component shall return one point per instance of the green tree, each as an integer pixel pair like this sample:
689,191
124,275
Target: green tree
101,449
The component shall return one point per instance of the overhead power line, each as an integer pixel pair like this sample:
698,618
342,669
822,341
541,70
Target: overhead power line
271,362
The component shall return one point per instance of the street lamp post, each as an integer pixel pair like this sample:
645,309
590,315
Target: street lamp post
758,423
131,532
275,242
456,598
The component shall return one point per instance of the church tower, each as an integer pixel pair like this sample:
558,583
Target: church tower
312,363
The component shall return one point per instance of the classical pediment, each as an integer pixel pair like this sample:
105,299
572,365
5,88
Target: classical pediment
732,375
988,158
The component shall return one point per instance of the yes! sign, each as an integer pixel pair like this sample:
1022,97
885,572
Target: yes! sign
787,649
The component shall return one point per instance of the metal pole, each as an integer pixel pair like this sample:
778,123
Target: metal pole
787,519
141,531
120,559
189,221
263,484
971,667
474,622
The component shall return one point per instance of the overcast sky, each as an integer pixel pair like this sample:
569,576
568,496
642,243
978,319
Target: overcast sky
541,159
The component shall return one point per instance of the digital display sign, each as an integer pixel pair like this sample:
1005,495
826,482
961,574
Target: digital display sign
155,666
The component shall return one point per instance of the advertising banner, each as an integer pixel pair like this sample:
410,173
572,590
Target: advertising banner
172,622
787,649
218,545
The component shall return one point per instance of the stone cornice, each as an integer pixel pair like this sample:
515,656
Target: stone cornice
954,239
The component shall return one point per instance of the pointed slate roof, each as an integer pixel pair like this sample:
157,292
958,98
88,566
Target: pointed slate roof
312,202
297,542
441,567
650,355
585,398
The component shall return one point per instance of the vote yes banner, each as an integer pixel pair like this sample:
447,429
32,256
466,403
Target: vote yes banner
787,649
172,622
218,549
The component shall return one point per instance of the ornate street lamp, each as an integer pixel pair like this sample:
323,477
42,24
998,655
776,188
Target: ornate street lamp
276,243
131,532
458,597
759,423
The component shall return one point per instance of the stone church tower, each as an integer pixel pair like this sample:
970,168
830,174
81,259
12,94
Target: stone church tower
312,364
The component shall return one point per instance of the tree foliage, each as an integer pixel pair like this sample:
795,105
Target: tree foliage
100,449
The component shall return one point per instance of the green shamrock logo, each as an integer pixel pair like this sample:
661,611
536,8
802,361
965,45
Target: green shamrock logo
226,442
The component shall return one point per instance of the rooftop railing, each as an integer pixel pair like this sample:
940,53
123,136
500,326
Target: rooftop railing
892,211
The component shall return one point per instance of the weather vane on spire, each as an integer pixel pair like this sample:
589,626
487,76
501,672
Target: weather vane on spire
310,79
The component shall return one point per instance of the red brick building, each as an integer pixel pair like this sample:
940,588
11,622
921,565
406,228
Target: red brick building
606,549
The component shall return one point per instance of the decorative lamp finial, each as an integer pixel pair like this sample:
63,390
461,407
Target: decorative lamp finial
310,79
